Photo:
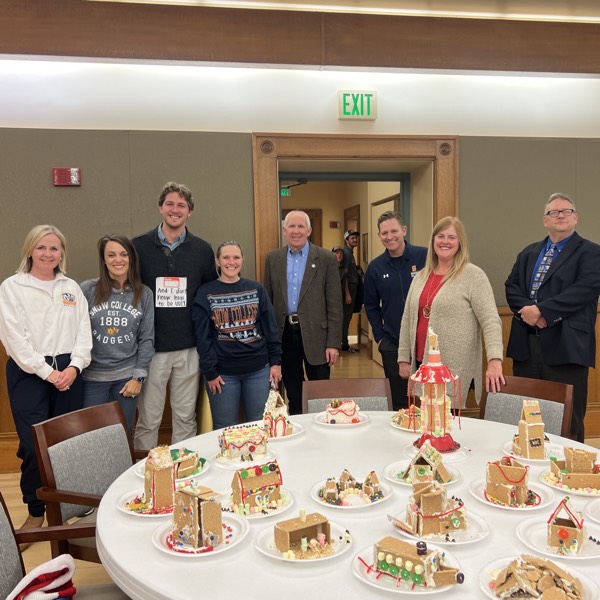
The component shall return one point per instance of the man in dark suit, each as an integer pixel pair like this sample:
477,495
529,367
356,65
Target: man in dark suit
303,283
555,302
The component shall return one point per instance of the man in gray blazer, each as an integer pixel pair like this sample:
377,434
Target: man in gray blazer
303,283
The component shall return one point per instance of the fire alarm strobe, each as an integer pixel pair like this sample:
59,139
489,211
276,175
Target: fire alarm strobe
66,176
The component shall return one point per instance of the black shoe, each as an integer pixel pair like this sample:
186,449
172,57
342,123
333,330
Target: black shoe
86,513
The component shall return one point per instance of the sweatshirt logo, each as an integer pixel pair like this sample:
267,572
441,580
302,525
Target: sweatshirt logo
69,299
112,330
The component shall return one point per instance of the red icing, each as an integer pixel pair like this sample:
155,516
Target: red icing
444,443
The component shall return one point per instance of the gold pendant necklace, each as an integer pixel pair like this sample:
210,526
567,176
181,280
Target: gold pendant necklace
431,296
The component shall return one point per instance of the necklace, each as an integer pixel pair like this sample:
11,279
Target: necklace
431,295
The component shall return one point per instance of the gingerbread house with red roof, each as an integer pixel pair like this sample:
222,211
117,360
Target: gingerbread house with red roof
565,529
257,486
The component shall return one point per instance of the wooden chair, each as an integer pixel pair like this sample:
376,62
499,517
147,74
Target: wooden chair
369,394
556,403
12,569
79,455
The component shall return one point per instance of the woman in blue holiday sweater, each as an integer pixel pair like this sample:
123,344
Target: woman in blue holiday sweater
237,340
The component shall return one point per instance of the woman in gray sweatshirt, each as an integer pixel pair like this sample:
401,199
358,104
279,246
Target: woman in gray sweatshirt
122,316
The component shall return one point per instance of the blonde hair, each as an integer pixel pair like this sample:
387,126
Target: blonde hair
461,258
32,240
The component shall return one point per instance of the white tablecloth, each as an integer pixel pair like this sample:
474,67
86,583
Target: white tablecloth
144,572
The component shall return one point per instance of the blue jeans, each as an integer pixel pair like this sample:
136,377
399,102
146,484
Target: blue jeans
101,392
252,389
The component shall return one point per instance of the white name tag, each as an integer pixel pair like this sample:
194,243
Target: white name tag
171,292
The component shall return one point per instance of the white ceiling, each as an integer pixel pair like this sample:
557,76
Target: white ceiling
551,10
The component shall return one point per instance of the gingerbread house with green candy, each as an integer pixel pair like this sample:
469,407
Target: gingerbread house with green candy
435,378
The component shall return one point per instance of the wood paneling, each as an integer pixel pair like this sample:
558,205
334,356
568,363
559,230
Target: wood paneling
194,33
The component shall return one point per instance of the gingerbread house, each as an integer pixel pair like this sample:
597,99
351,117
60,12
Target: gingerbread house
340,492
506,482
159,479
408,418
242,443
529,442
275,417
565,529
342,412
186,461
577,471
426,467
197,519
413,563
257,487
430,512
306,536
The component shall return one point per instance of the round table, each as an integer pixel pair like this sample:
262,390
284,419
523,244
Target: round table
142,571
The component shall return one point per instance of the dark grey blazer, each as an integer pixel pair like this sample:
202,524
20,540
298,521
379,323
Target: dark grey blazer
319,304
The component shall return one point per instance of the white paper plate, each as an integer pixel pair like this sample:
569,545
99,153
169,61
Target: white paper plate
448,457
265,543
319,419
234,465
234,527
592,511
288,501
123,499
396,426
140,471
569,491
477,489
555,450
357,502
297,430
362,568
590,592
477,529
393,473
534,534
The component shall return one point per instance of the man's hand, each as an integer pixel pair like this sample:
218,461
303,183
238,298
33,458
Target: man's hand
530,315
332,354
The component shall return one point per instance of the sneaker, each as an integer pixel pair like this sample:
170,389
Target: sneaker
351,349
86,513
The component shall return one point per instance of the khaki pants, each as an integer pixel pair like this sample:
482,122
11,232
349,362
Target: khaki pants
181,369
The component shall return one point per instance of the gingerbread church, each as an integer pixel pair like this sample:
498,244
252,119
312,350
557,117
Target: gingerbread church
529,442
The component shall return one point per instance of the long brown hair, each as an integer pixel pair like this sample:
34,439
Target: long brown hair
104,285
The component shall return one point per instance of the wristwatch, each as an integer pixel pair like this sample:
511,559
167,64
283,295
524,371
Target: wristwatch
140,379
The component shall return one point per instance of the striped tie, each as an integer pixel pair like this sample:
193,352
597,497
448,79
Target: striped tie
542,270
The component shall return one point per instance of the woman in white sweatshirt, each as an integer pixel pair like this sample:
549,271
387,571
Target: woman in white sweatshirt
45,328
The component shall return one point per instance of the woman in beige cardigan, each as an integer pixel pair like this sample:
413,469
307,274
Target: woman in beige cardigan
453,297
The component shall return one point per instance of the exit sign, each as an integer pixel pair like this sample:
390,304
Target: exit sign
357,104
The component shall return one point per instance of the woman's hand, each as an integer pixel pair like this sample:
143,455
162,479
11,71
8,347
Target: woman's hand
214,385
131,389
493,375
65,378
275,375
404,369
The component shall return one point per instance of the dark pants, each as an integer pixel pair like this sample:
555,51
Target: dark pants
293,365
33,400
348,310
399,386
577,375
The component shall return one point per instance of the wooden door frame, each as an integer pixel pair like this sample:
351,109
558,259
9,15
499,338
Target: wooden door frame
269,148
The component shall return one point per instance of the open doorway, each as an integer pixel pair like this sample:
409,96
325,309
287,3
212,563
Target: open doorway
270,151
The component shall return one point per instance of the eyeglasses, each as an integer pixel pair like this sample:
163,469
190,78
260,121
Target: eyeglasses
566,212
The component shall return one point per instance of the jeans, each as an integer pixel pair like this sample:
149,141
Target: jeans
101,392
252,389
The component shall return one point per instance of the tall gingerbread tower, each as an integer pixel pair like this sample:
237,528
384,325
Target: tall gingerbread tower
436,406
